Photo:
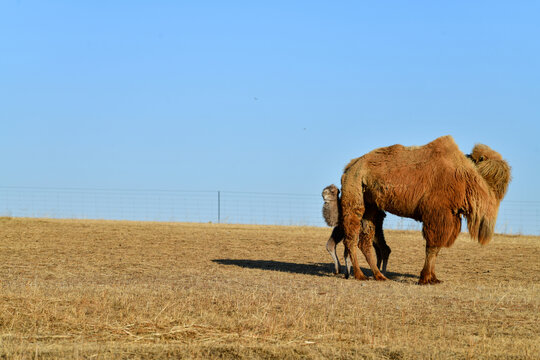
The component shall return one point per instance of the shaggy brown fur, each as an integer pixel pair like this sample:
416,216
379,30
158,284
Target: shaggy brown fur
435,184
330,208
331,214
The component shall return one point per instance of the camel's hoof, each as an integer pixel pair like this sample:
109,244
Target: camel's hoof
380,277
360,277
429,281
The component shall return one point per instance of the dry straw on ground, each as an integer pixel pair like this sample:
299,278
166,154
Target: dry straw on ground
104,289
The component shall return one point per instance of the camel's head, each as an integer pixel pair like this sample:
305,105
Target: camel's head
493,168
330,193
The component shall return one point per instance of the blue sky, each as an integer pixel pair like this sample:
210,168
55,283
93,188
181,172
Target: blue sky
246,96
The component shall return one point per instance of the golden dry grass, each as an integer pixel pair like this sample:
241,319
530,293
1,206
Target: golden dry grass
106,289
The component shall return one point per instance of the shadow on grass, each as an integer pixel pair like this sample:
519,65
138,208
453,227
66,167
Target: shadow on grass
317,269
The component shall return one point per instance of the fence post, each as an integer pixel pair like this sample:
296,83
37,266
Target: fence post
219,207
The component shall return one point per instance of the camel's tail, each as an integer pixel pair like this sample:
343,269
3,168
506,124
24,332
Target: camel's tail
332,205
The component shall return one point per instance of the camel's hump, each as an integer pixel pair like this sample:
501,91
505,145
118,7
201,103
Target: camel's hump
442,145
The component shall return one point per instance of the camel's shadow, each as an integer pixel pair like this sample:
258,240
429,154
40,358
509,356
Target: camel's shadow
317,269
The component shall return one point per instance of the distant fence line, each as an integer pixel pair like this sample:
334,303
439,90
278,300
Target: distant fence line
515,217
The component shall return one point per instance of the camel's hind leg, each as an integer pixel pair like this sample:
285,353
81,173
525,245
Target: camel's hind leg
348,264
351,226
367,234
381,248
335,238
377,253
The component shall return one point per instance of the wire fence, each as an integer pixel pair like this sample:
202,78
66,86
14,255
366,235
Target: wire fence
515,217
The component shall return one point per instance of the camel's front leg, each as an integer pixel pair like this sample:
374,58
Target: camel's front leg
427,276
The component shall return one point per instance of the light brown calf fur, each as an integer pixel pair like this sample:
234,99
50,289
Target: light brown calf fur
435,184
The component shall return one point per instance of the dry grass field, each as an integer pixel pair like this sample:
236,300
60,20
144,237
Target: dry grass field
107,289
